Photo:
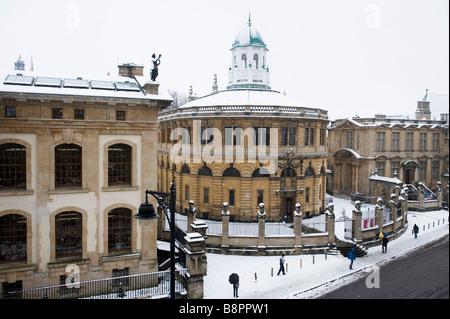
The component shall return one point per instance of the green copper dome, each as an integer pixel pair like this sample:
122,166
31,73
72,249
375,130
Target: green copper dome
249,37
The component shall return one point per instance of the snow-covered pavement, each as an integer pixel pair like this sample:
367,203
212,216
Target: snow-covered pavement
309,276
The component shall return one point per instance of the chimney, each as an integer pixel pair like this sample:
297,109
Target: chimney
131,70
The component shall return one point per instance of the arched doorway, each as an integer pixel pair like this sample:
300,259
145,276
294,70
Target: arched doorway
409,171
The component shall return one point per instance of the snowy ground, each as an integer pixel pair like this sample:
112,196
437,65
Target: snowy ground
314,278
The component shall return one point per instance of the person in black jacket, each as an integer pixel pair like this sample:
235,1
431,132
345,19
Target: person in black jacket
384,243
415,230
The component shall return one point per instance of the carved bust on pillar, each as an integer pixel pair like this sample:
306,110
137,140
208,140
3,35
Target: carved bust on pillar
261,211
297,212
330,210
225,210
357,210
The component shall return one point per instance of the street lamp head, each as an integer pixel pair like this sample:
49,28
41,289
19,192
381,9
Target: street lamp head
146,212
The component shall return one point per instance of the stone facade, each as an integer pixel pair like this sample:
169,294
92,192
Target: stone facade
44,120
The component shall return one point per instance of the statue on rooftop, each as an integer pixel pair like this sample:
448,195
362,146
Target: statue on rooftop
155,63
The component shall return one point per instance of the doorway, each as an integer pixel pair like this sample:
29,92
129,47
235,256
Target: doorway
409,173
288,206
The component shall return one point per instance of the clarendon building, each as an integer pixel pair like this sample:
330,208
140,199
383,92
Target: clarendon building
76,155
245,146
404,149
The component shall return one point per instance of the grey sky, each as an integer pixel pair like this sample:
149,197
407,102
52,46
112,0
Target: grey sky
345,56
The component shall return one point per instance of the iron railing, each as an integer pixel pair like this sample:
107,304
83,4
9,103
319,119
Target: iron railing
148,285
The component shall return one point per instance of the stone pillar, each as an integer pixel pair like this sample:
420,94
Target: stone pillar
379,214
261,229
196,263
421,198
439,194
357,219
298,220
199,226
393,207
330,224
225,229
191,216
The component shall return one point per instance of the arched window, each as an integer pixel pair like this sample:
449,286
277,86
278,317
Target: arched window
261,172
67,165
244,58
68,233
231,172
13,171
256,58
13,238
185,169
205,171
309,172
119,230
119,164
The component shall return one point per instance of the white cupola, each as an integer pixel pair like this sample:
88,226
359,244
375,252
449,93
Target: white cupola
248,67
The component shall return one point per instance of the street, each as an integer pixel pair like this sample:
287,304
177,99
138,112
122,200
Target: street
423,274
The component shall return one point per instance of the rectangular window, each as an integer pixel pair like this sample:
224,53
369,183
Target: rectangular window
395,166
291,136
380,168
233,135
206,135
284,136
120,115
10,111
261,136
380,141
186,192
435,145
78,114
423,142
351,139
435,170
57,113
423,171
260,196
205,195
231,197
309,136
323,135
395,141
409,145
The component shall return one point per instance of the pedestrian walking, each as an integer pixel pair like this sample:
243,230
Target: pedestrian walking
234,280
351,255
415,230
281,265
384,243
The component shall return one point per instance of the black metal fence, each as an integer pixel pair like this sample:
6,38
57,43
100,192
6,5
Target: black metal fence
156,284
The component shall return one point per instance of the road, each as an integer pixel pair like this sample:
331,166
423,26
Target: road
422,274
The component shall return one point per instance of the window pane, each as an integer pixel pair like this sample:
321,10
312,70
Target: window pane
67,165
13,238
119,230
68,233
12,166
119,164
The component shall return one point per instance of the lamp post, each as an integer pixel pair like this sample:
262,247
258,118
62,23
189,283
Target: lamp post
147,212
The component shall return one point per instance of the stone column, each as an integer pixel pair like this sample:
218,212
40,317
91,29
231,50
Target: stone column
379,214
330,223
261,229
199,226
393,207
196,263
298,220
191,215
357,219
149,258
224,248
439,193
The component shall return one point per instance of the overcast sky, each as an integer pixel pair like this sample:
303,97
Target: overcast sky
350,57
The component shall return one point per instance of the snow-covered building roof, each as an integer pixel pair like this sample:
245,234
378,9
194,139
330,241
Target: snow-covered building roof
21,82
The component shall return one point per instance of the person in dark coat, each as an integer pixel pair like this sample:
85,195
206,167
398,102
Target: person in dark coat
281,265
415,230
235,289
352,257
384,243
